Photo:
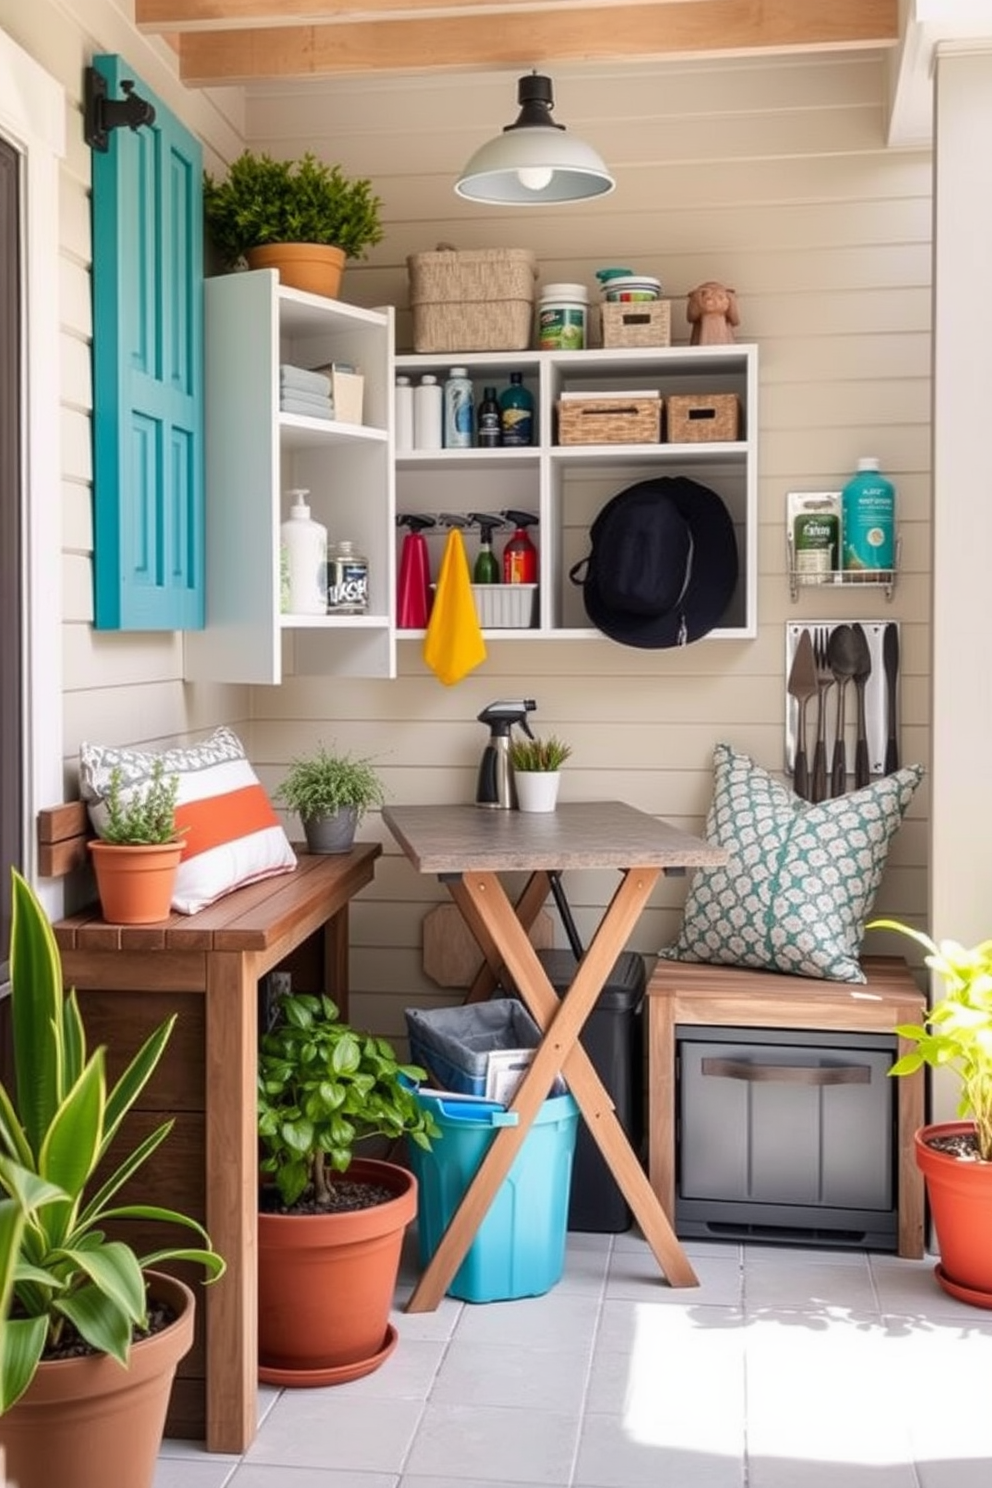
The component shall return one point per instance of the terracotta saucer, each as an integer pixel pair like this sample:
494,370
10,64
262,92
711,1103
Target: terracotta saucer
962,1293
340,1374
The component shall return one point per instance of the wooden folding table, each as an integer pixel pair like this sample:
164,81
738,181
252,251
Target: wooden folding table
468,847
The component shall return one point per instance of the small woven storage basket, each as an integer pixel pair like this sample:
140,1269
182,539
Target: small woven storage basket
641,323
617,420
696,418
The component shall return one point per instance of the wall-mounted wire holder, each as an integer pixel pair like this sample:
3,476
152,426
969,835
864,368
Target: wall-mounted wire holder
878,578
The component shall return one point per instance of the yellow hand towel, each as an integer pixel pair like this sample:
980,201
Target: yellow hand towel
453,645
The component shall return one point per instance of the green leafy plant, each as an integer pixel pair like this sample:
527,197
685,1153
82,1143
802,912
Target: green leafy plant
141,815
539,754
322,1087
322,783
55,1132
282,201
956,1033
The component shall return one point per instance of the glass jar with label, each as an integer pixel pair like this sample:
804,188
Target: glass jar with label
347,581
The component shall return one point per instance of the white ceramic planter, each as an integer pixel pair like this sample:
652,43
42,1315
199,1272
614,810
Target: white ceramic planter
537,790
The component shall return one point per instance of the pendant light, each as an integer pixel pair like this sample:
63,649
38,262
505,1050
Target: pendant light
534,162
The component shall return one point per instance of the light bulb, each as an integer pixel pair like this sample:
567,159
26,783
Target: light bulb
535,177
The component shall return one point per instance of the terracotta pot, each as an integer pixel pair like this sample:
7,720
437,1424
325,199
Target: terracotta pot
960,1195
136,883
315,267
326,1284
88,1423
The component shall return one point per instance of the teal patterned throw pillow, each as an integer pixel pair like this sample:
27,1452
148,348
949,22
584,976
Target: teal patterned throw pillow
800,880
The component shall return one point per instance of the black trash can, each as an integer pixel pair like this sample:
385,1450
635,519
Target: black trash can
613,1037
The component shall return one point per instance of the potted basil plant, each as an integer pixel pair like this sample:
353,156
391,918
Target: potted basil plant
91,1331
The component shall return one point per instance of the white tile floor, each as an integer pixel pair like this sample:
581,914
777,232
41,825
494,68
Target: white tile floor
786,1368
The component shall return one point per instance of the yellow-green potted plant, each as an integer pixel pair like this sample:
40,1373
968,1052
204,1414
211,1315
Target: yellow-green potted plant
136,856
331,1222
330,793
303,218
956,1157
91,1332
537,766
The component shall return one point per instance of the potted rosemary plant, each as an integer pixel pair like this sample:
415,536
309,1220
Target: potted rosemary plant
137,854
92,1332
956,1157
536,771
331,794
330,1223
303,218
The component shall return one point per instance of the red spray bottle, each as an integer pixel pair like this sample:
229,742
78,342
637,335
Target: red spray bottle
520,554
413,588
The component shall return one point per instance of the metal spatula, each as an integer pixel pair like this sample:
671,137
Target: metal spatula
802,686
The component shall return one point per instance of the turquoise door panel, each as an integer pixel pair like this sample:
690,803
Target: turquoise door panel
147,371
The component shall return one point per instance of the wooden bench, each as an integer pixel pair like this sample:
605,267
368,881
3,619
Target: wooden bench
683,993
206,967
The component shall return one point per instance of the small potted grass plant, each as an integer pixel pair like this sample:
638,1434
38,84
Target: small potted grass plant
136,856
303,218
537,766
331,794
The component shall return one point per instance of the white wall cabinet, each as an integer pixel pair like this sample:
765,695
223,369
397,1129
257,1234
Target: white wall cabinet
255,454
566,485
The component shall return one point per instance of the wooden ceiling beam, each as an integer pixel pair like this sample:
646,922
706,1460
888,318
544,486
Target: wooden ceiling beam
186,16
616,32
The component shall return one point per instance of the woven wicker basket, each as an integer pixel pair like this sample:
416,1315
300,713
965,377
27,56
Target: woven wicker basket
614,420
646,323
480,300
695,418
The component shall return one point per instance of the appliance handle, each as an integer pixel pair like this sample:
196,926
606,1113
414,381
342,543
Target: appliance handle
790,1074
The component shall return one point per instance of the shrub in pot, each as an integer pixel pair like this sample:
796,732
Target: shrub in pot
87,1348
263,205
330,1224
136,857
331,794
956,1157
536,765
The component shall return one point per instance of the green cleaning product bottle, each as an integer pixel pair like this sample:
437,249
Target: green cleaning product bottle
486,570
516,405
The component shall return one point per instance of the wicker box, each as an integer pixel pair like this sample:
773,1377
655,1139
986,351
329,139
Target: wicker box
637,323
614,419
696,418
480,300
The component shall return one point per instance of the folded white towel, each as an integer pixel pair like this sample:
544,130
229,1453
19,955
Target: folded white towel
313,400
299,406
300,379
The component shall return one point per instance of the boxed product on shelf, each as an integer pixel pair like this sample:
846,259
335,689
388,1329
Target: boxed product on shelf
609,418
479,300
694,418
643,323
505,606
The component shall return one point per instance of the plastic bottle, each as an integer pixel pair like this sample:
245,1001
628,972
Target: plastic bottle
868,519
489,429
561,317
404,413
486,570
303,560
459,410
347,581
428,404
520,554
516,405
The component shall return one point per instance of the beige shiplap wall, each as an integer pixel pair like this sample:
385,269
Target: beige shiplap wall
117,688
770,175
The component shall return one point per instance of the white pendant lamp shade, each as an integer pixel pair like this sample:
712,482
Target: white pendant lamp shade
534,161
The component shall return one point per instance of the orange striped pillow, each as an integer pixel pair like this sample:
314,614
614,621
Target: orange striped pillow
232,835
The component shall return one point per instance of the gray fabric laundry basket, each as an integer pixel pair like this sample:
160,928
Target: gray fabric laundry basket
453,1044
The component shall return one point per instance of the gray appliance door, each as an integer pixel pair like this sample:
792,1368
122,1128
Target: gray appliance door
786,1125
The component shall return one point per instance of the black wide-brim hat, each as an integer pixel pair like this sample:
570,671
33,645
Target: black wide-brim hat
663,565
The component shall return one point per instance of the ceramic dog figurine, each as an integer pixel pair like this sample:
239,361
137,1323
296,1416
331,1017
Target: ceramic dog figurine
712,313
